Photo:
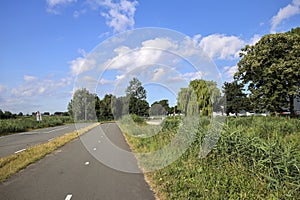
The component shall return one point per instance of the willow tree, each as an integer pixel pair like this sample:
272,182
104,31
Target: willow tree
198,98
271,69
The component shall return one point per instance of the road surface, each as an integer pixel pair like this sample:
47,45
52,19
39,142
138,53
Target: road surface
18,142
72,172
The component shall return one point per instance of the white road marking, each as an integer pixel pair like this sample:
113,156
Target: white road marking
99,141
57,129
51,139
68,197
95,149
86,163
20,150
41,131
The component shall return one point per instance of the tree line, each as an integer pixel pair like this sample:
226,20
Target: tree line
267,80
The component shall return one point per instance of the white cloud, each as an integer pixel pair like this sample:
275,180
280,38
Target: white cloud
254,39
230,71
193,75
29,78
119,15
35,87
221,46
285,13
81,64
53,5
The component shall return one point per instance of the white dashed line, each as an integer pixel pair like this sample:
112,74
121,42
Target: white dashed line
99,141
68,197
86,163
95,149
51,139
20,150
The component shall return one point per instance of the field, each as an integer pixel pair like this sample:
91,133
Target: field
21,124
255,158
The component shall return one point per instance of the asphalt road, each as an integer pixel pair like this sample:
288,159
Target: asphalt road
73,172
15,143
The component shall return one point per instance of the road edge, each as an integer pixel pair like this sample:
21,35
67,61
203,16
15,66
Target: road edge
12,164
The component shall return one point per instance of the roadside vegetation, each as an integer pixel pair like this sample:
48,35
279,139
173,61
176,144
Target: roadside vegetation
255,158
21,124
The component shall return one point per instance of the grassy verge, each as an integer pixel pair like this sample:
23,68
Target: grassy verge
11,164
255,158
21,124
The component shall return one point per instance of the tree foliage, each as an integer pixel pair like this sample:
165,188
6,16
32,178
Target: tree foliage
236,100
160,107
136,94
198,98
271,69
82,106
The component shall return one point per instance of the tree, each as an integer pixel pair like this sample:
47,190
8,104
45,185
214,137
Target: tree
82,106
198,98
1,114
136,94
271,69
120,106
160,107
105,110
235,98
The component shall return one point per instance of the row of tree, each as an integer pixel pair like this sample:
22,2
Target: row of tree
88,106
268,79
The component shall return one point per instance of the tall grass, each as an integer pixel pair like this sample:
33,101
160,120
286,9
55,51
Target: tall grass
21,124
255,158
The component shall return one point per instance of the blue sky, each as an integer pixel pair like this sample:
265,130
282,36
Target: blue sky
45,44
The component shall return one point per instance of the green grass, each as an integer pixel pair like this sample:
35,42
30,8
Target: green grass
255,158
8,126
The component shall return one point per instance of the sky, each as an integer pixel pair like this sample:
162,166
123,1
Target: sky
50,48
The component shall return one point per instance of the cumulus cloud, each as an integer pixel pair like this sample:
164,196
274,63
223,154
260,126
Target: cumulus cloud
81,64
119,15
288,11
221,46
193,75
35,87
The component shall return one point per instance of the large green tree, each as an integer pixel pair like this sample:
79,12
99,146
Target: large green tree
271,69
82,106
136,94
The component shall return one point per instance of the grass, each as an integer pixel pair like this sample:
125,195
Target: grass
255,158
22,124
11,164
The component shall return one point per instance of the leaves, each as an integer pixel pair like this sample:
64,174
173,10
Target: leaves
271,70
